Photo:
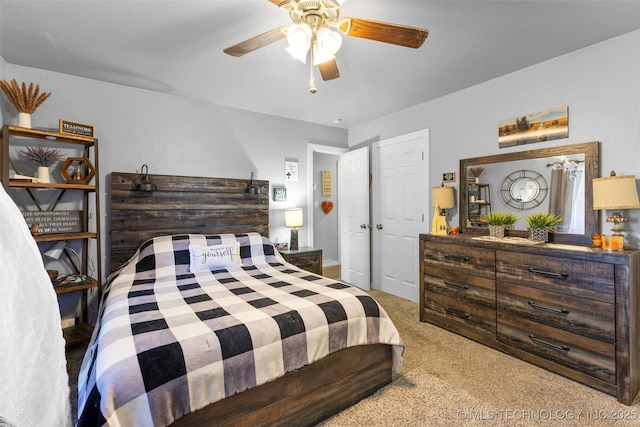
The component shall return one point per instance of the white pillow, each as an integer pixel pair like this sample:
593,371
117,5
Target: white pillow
212,257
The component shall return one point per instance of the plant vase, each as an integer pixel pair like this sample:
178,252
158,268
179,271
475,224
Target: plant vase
43,174
24,120
497,231
539,234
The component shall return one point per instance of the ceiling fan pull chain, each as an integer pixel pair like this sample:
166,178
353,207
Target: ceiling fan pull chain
312,80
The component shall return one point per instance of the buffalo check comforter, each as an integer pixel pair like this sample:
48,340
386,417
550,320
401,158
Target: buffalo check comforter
169,341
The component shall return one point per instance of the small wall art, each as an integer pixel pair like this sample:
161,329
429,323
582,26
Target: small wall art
326,183
544,126
291,170
279,194
448,177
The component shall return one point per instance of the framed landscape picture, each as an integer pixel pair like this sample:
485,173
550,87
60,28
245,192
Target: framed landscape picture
544,126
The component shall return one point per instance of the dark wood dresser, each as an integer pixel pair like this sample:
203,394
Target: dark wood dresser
570,309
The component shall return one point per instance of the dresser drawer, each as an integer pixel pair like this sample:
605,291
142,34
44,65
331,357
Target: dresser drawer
306,258
309,263
592,357
459,258
585,279
441,309
461,286
595,319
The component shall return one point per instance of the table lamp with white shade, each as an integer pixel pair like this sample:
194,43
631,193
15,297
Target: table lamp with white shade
442,198
293,219
615,193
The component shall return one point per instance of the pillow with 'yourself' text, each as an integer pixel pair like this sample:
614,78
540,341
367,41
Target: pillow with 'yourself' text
214,257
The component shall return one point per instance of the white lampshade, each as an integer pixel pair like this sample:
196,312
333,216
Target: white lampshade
56,250
615,192
293,217
443,197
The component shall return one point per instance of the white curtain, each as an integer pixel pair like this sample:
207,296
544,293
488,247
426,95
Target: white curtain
567,195
34,385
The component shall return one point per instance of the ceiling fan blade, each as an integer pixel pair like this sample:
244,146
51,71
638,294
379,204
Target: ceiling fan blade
384,32
257,42
279,3
286,4
329,69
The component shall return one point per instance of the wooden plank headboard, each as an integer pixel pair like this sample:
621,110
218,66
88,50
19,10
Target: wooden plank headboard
181,204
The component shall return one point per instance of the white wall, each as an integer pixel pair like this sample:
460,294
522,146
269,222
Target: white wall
600,84
180,136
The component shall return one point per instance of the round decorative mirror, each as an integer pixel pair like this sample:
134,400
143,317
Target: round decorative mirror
524,189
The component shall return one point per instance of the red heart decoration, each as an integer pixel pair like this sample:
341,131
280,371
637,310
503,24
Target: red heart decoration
326,205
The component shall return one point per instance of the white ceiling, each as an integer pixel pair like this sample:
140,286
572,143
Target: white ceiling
176,46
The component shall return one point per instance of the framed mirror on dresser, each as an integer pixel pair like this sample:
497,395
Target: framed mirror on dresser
553,179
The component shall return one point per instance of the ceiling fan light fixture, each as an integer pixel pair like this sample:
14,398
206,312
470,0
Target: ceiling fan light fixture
328,42
317,32
299,38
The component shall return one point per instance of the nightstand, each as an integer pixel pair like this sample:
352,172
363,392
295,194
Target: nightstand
307,258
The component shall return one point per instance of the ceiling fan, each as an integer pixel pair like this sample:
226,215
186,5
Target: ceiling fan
316,31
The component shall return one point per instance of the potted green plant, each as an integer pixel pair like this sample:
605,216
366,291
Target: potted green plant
499,222
43,157
540,224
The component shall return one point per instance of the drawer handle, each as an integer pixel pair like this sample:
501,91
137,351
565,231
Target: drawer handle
549,309
548,273
548,344
458,286
457,313
458,258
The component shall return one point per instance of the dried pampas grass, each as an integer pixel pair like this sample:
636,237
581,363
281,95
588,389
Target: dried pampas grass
25,100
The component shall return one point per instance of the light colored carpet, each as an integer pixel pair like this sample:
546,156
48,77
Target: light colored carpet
449,380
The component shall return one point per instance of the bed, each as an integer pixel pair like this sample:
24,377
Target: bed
246,340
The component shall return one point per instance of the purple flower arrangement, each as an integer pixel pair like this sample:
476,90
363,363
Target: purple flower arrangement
42,156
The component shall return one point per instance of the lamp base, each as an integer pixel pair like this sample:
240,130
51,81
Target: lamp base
293,244
617,219
439,222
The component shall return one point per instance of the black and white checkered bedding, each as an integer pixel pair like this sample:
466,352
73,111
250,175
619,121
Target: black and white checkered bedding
169,342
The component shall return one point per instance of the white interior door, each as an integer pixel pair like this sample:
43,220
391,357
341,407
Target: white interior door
400,183
353,199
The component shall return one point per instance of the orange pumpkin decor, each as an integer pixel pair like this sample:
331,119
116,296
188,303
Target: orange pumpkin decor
326,205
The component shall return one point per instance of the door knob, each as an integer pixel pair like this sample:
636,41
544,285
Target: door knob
363,226
379,226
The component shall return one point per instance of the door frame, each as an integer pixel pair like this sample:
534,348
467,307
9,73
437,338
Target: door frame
311,150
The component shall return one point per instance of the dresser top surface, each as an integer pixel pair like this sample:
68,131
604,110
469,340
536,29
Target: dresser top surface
522,245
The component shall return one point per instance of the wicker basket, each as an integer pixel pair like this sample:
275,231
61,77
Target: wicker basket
497,231
539,234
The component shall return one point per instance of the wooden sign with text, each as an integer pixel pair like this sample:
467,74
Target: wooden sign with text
75,128
52,222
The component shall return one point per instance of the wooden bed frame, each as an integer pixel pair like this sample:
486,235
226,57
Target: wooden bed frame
217,205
